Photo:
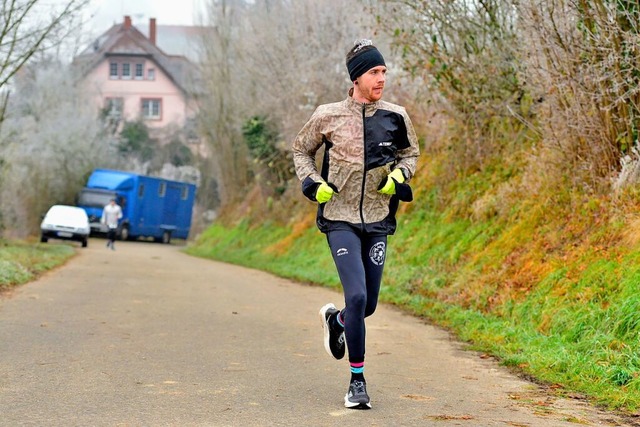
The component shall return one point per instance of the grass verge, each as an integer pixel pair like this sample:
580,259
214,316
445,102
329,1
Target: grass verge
21,262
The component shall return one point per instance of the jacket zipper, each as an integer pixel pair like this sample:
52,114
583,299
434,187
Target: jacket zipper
364,168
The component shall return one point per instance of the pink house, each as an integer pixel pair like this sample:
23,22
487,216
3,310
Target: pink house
132,78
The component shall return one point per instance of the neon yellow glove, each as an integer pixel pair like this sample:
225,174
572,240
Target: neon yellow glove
389,186
324,193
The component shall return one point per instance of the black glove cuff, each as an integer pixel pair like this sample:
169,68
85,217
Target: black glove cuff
404,192
309,188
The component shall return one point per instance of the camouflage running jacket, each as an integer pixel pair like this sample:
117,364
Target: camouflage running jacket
362,144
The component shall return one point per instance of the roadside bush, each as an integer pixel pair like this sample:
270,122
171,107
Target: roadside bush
271,158
582,57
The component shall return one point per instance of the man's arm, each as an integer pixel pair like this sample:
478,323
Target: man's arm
408,157
304,148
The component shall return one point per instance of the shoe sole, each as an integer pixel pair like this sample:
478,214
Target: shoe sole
355,405
325,327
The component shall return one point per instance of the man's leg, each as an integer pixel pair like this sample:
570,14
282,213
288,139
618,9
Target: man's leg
374,255
112,237
346,249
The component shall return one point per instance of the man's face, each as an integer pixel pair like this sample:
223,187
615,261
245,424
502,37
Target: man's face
370,85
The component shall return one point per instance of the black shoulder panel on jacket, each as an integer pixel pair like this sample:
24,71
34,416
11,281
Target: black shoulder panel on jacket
385,134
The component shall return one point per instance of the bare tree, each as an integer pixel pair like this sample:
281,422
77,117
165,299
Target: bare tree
583,57
566,70
28,27
221,99
52,142
466,51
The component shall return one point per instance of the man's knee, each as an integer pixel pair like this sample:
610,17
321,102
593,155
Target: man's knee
357,302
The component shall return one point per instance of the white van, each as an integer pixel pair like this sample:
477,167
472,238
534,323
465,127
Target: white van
66,223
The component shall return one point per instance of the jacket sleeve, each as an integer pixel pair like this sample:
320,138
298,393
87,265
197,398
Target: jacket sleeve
304,148
407,158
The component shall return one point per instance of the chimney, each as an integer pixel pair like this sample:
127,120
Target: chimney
127,22
152,30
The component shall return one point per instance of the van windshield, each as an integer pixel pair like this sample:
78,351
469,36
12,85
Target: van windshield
95,199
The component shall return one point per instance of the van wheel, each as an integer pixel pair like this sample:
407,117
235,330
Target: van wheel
85,243
166,237
43,239
124,233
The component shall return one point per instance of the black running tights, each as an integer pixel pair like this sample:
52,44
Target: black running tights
360,262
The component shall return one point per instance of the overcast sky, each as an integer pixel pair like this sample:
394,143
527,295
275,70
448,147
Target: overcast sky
105,13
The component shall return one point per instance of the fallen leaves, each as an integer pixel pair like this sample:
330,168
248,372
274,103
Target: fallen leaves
450,417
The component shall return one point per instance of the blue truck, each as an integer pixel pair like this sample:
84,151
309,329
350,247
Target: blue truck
151,207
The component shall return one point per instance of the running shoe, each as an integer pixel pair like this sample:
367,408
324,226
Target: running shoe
333,339
357,397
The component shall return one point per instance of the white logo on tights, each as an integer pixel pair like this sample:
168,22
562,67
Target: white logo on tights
342,251
377,253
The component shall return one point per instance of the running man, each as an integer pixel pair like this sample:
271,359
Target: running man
111,215
370,152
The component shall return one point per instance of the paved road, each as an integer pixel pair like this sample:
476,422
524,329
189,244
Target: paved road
148,336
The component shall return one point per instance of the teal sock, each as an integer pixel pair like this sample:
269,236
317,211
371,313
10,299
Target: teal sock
357,371
339,319
335,323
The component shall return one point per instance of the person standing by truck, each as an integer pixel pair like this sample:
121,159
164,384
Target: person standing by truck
111,215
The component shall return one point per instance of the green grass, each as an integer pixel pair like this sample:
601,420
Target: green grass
21,262
307,260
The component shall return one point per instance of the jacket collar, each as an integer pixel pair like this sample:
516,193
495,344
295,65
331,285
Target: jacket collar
356,106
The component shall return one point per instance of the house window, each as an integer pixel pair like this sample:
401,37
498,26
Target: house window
139,71
113,70
151,74
114,106
126,70
152,108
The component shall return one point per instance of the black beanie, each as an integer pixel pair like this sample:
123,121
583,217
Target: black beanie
363,62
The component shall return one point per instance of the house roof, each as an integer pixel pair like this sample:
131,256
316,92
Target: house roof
179,40
126,40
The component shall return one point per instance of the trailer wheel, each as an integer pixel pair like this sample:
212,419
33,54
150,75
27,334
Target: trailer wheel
124,233
166,237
